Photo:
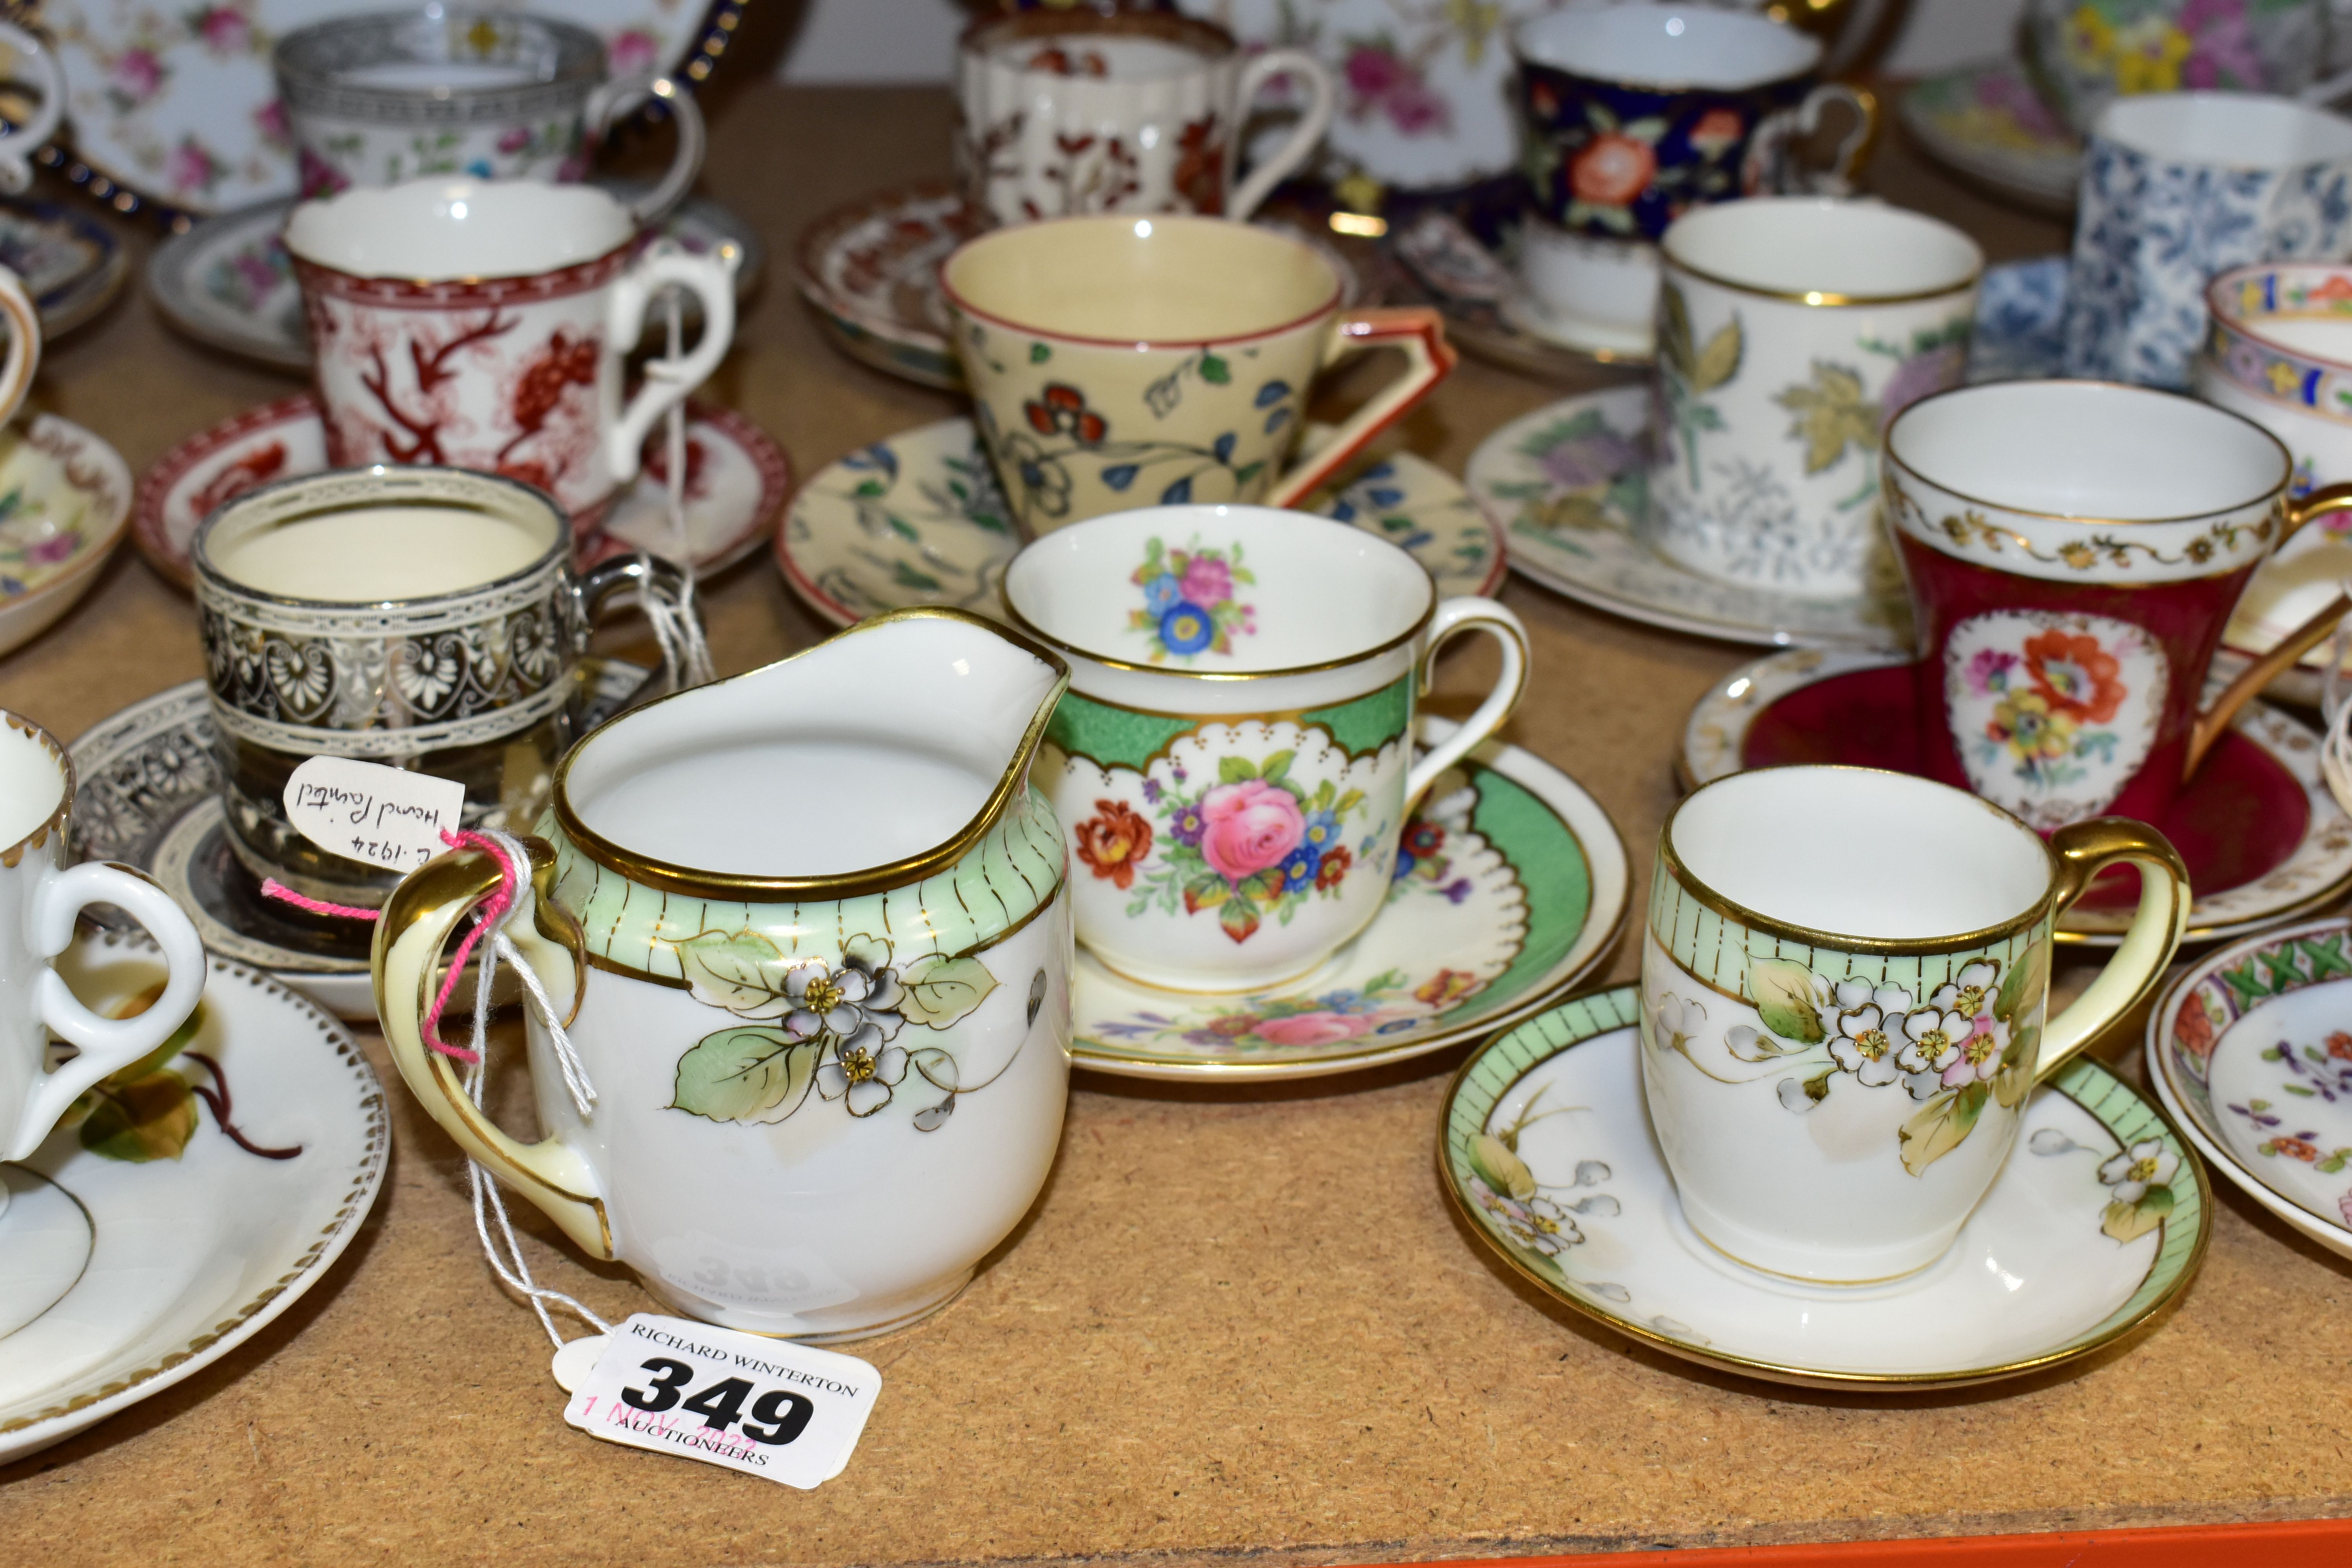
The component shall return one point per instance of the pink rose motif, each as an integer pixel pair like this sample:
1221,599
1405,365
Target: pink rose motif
270,120
1311,1029
223,30
137,74
633,51
1208,581
55,548
1374,72
1248,826
191,168
514,139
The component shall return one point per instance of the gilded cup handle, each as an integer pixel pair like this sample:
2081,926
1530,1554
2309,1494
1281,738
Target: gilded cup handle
419,920
2084,849
2213,722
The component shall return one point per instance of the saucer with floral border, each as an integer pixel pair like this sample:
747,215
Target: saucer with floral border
2252,1052
1509,883
919,519
2094,1227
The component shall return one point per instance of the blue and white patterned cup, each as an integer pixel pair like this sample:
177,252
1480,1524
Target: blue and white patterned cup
2180,187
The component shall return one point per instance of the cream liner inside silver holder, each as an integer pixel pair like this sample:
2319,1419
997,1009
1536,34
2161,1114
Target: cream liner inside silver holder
528,603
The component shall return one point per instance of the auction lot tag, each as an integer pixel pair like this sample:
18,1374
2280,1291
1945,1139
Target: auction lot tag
384,816
767,1407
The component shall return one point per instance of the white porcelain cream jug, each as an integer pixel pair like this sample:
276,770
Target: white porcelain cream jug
812,927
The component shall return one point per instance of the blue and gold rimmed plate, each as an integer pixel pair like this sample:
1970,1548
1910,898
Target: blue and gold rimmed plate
2252,1052
2093,1228
919,519
183,1203
1510,884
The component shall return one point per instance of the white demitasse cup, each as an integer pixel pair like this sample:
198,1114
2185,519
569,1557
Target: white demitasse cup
1233,760
1844,980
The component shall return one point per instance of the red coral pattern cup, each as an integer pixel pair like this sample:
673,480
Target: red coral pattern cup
481,325
2073,549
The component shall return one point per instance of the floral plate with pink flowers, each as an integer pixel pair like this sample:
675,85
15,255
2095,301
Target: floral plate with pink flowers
1509,884
1985,124
919,519
64,504
2095,1226
177,104
2250,1052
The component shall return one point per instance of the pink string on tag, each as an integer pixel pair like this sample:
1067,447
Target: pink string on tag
494,909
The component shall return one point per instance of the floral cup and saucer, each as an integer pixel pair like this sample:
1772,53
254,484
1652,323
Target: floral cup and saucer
2250,1053
2093,1227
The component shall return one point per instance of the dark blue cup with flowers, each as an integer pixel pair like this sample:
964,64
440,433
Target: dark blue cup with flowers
1634,114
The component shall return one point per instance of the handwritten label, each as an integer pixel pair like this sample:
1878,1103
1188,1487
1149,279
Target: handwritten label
767,1407
380,816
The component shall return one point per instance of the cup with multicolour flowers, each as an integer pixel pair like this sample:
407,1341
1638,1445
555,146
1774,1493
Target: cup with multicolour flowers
1235,761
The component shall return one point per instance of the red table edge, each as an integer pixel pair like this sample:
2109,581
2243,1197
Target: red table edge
2186,1546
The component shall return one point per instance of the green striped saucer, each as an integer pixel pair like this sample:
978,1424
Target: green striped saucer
2093,1228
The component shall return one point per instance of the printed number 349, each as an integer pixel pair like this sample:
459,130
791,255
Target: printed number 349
777,1415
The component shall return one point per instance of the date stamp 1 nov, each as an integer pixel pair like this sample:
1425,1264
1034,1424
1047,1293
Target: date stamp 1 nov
768,1407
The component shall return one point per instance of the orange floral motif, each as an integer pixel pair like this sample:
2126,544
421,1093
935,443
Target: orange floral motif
2339,1045
1447,987
2074,676
1334,866
1611,170
1114,843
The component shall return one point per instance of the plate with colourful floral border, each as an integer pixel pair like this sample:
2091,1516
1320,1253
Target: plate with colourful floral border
147,793
2258,823
919,519
64,504
177,106
186,1202
736,482
1985,124
870,274
228,281
1567,487
1509,883
2095,1223
2249,1050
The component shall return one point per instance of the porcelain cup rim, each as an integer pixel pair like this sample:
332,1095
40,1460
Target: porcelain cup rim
558,551
1037,549
12,854
1895,462
1731,24
2237,323
2135,105
581,60
1707,894
322,210
1219,230
1815,299
1215,44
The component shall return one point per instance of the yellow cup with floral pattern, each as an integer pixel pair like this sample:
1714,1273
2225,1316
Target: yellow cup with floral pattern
1123,362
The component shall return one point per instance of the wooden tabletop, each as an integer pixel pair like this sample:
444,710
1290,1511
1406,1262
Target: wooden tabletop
1240,1323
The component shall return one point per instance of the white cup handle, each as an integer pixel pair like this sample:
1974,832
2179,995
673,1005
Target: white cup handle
711,279
108,1045
613,100
1320,102
37,60
1452,618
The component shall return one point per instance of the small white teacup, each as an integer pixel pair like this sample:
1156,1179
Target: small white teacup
40,898
1234,759
1843,981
